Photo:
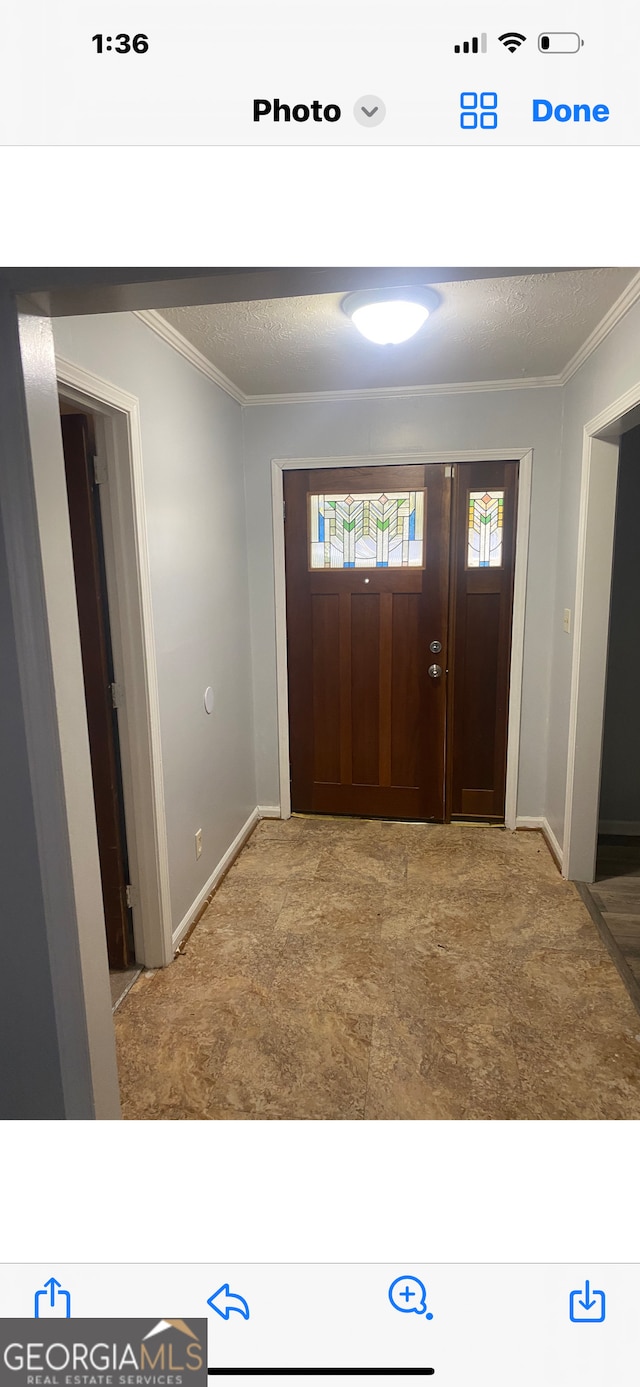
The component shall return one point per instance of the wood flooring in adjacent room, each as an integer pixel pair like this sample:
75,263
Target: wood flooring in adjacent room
350,969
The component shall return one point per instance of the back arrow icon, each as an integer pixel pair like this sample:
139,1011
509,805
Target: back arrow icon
224,1301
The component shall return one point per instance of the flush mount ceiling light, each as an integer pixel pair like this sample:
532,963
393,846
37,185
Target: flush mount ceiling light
389,316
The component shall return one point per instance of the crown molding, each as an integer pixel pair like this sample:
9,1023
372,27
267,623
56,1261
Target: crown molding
628,297
403,392
175,339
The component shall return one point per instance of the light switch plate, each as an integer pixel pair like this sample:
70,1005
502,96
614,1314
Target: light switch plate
567,621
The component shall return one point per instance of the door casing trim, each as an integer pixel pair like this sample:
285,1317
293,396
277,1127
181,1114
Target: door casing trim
131,619
594,570
524,456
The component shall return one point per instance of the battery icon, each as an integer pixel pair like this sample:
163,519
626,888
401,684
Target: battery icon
560,43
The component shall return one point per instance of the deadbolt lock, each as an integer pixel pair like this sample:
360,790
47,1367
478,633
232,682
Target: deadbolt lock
435,647
435,671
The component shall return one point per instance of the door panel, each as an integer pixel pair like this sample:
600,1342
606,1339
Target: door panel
325,619
481,608
404,687
366,680
367,723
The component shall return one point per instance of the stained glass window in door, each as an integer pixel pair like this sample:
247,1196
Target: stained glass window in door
486,517
369,529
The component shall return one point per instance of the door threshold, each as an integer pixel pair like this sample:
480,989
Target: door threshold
363,819
367,819
417,823
121,984
477,823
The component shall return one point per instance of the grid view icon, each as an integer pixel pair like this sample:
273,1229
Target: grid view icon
478,110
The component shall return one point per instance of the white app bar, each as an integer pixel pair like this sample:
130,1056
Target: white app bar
322,73
493,1324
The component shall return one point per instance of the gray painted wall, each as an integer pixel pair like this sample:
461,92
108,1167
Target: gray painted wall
610,371
30,1077
488,419
620,785
192,456
51,1066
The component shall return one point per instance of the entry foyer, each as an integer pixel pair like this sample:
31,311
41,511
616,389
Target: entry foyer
341,582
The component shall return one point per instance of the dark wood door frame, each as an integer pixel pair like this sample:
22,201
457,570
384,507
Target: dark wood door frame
523,459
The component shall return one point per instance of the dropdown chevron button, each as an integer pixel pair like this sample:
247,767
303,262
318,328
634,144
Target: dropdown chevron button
370,110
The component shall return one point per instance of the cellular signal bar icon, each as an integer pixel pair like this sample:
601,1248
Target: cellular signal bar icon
473,45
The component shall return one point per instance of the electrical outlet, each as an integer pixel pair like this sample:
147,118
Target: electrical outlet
198,842
567,621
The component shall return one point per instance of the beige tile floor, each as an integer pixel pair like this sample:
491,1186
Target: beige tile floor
348,969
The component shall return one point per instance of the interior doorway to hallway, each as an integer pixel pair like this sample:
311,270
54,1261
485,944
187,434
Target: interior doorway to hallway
101,690
116,426
604,438
615,892
399,614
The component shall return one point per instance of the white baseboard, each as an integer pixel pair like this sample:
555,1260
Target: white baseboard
269,811
553,843
630,827
209,886
545,827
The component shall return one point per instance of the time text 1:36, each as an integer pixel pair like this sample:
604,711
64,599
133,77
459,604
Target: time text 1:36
121,43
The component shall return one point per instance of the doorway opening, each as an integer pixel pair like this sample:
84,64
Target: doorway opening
615,892
102,695
114,415
400,584
603,438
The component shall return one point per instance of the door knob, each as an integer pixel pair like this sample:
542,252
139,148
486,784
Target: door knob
435,671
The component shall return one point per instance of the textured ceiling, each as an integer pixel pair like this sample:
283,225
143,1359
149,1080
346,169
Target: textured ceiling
485,329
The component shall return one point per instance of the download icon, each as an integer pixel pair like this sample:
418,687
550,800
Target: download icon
587,1306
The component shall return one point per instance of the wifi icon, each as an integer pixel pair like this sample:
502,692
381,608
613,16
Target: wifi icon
512,41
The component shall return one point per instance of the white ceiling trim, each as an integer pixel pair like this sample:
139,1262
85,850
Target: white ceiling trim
403,392
170,334
617,311
175,339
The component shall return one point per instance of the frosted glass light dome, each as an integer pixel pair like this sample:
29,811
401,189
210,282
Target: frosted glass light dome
392,322
390,316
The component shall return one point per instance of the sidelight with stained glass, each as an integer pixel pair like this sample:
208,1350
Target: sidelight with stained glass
486,520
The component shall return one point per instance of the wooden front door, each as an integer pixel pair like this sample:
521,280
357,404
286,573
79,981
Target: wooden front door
367,584
91,595
383,565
